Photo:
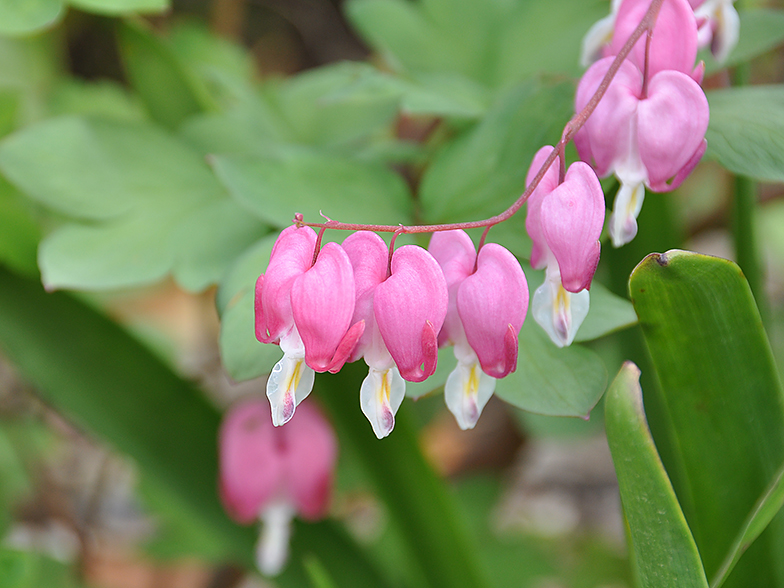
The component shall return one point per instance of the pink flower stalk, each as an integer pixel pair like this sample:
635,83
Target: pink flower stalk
488,299
269,473
306,307
402,313
652,140
565,222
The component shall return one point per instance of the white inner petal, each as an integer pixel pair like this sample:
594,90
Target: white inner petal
626,209
558,311
289,383
272,550
467,391
380,396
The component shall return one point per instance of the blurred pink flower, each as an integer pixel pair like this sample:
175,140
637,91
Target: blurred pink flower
271,474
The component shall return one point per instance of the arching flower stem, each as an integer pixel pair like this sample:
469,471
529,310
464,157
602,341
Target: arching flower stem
570,130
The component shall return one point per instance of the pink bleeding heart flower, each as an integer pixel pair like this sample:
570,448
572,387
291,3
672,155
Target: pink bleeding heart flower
488,299
654,140
403,313
271,474
566,221
307,308
572,217
674,40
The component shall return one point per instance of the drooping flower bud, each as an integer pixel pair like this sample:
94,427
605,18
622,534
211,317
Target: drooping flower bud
269,473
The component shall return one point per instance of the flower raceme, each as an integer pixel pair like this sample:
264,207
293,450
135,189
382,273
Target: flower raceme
488,300
402,308
269,473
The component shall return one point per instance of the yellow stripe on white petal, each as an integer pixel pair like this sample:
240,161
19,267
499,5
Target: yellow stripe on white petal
380,396
289,383
466,392
558,311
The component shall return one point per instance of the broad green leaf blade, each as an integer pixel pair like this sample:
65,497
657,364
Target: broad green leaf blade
664,550
311,182
309,106
120,7
550,380
746,131
21,17
759,518
168,89
99,169
722,399
483,172
109,384
209,240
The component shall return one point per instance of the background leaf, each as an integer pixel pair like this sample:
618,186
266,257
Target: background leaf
664,550
746,131
307,181
19,17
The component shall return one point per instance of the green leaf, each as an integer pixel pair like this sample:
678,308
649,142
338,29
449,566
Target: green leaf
664,551
208,241
112,386
102,99
541,37
405,37
723,405
163,209
243,356
20,17
746,131
766,508
553,381
760,31
311,107
99,169
167,88
300,180
19,233
483,172
120,7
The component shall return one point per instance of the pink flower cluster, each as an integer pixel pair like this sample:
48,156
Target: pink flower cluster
649,128
345,302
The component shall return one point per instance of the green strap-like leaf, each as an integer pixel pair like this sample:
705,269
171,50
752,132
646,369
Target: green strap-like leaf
722,402
664,550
